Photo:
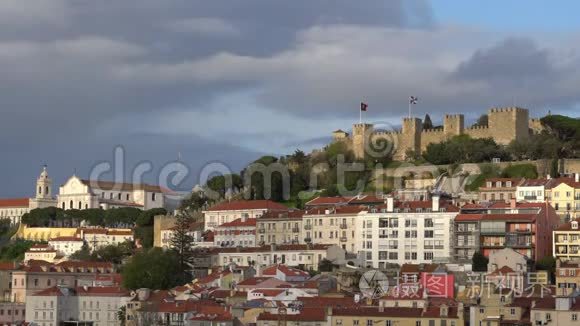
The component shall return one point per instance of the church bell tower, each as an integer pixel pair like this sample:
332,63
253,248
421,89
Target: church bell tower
44,185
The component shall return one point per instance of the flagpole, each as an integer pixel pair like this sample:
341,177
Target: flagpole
360,115
409,109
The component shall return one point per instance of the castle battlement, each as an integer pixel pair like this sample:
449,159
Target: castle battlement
434,130
508,109
385,132
453,116
477,128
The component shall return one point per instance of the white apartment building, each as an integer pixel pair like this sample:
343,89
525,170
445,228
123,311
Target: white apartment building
77,193
302,256
66,246
532,191
406,232
93,305
335,225
101,237
229,211
240,232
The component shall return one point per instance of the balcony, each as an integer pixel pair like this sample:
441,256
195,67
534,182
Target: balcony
530,197
295,230
261,230
344,226
343,239
307,240
307,226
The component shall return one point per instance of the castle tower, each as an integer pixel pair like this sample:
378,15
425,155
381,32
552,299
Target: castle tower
43,197
508,124
411,137
361,133
453,125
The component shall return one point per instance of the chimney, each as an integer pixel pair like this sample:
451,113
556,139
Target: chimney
513,203
244,218
435,203
548,177
533,304
390,204
272,247
577,177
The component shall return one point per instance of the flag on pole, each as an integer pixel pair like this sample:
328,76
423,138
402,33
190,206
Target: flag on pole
413,100
363,106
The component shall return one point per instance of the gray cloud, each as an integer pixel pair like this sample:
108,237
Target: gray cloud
79,77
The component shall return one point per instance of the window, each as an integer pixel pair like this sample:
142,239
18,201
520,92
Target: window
428,256
512,311
153,195
574,317
355,322
369,322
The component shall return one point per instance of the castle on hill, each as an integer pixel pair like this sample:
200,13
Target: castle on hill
504,126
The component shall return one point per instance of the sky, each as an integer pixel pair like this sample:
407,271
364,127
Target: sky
223,82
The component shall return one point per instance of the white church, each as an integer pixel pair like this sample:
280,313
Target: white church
77,193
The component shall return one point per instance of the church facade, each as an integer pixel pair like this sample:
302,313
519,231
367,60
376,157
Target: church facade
78,193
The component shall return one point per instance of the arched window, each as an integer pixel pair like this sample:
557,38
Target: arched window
70,204
40,190
46,190
63,207
80,205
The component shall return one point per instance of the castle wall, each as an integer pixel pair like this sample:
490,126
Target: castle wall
429,136
394,140
479,132
504,126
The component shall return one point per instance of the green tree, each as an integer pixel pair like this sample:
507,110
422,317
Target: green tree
527,171
83,254
479,262
196,201
144,234
154,269
221,184
182,241
15,250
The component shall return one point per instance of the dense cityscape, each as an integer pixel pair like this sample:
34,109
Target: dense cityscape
289,163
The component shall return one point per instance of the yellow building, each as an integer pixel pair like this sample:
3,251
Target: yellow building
336,225
440,314
566,240
499,307
564,195
280,227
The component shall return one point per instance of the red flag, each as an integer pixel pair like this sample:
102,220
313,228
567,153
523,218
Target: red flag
363,106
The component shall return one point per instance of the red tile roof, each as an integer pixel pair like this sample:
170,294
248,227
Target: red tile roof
250,222
288,271
66,239
121,186
568,226
248,205
105,291
289,214
15,203
9,266
495,217
254,281
269,292
413,205
558,181
367,200
534,182
335,210
266,248
306,314
328,201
